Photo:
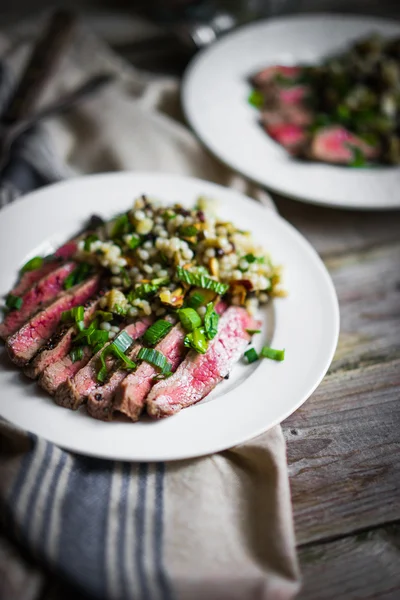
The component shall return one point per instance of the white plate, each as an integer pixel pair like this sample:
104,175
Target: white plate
255,398
215,91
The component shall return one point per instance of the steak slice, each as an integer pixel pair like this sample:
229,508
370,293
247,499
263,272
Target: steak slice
57,373
24,344
29,278
198,374
58,345
74,391
290,136
45,290
131,395
335,145
100,401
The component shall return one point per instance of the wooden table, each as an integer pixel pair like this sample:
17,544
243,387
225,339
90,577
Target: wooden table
343,444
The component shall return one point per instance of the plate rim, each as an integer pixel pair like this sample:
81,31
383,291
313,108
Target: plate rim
211,147
274,216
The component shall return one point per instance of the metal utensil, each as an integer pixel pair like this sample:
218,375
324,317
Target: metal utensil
10,133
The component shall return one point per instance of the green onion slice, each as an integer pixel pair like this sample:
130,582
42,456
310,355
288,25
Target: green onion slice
35,263
195,300
118,348
89,240
74,314
188,231
267,352
120,226
156,332
211,319
197,341
189,318
253,331
155,358
77,276
76,354
251,355
13,302
256,99
142,291
104,315
200,280
134,242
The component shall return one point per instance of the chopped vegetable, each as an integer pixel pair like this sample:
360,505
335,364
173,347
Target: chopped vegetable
267,352
195,300
89,240
118,348
34,263
156,332
189,318
77,276
103,315
200,280
13,302
253,331
74,314
188,231
197,340
155,358
76,354
120,226
256,99
211,319
134,242
251,355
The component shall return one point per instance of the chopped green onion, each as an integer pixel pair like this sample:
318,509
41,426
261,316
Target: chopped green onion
211,319
195,300
251,258
267,352
159,281
80,325
13,302
117,309
120,226
200,280
99,336
156,332
125,277
256,98
35,263
75,314
89,240
155,358
251,355
77,276
104,315
142,291
189,318
76,354
188,231
253,331
359,159
118,348
133,242
197,341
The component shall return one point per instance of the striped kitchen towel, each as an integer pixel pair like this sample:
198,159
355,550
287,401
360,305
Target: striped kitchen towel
218,527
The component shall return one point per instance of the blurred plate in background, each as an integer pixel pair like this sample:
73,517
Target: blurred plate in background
215,91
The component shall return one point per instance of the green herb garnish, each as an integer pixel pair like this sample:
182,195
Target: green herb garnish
197,340
267,352
156,332
118,348
76,354
211,319
251,355
34,263
89,241
155,358
256,99
77,276
189,318
13,302
201,281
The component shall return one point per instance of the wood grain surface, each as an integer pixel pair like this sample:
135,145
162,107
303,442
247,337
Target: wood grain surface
343,444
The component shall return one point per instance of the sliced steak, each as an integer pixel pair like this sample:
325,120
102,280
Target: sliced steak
74,391
59,345
55,374
334,145
25,343
45,290
29,278
100,401
131,395
292,137
198,374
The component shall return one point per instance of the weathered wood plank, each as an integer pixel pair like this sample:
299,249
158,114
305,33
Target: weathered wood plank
343,450
364,566
340,231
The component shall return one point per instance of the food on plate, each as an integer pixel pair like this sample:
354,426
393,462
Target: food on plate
345,111
147,312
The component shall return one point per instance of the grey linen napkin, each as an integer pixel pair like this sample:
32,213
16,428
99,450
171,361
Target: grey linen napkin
218,527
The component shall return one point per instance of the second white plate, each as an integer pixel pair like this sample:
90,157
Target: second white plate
215,91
